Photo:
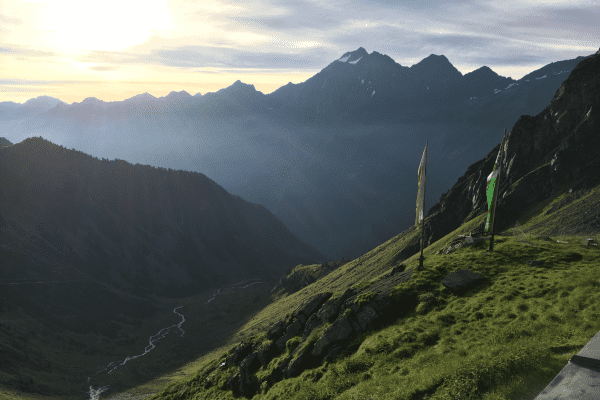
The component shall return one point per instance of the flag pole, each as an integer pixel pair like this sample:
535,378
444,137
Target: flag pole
497,189
423,226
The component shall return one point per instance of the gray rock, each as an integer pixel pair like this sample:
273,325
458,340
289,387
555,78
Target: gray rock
299,363
335,350
381,303
266,353
304,311
278,372
250,364
276,330
462,280
339,331
313,322
235,383
330,309
365,317
291,331
241,352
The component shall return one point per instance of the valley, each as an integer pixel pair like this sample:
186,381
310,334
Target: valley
66,364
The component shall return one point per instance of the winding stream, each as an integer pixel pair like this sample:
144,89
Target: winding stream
95,393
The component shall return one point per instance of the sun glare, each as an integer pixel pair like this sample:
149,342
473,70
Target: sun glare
107,25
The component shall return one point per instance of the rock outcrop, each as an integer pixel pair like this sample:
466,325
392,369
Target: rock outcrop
548,154
324,326
303,275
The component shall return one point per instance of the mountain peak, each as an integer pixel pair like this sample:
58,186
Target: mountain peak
42,101
182,93
353,56
91,100
484,72
143,96
243,86
435,66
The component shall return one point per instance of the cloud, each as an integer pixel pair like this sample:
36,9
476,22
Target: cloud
32,82
21,51
227,58
13,89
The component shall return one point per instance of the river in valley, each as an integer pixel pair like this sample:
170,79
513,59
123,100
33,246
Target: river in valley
94,394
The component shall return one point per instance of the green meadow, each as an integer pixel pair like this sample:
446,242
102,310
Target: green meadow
503,340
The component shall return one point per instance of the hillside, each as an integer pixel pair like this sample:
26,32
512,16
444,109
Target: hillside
502,329
143,229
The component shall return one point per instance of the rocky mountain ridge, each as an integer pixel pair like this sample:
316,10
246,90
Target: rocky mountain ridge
546,155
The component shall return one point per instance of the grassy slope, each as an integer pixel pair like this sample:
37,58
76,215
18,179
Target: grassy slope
504,340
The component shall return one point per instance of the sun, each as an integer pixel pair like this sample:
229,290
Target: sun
107,25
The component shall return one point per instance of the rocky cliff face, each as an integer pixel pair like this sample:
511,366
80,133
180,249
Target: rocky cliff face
546,155
135,226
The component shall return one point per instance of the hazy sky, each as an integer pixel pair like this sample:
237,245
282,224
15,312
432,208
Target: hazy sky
113,50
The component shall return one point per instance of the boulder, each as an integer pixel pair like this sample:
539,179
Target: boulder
242,384
266,352
381,303
330,309
276,330
299,363
250,364
235,383
462,280
335,350
313,322
304,311
328,312
365,318
240,352
291,331
277,373
339,331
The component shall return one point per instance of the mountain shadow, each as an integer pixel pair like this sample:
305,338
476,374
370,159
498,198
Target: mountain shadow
143,229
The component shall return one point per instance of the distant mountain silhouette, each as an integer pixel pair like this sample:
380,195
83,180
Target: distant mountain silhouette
329,116
134,226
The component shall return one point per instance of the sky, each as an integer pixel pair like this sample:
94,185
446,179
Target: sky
113,50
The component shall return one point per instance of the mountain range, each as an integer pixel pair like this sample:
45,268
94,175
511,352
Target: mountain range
380,326
349,134
136,233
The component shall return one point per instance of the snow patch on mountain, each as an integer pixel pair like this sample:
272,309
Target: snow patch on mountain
344,59
511,85
542,77
354,62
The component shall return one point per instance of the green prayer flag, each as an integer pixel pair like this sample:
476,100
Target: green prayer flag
492,189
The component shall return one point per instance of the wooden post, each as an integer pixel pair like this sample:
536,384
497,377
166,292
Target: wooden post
423,227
